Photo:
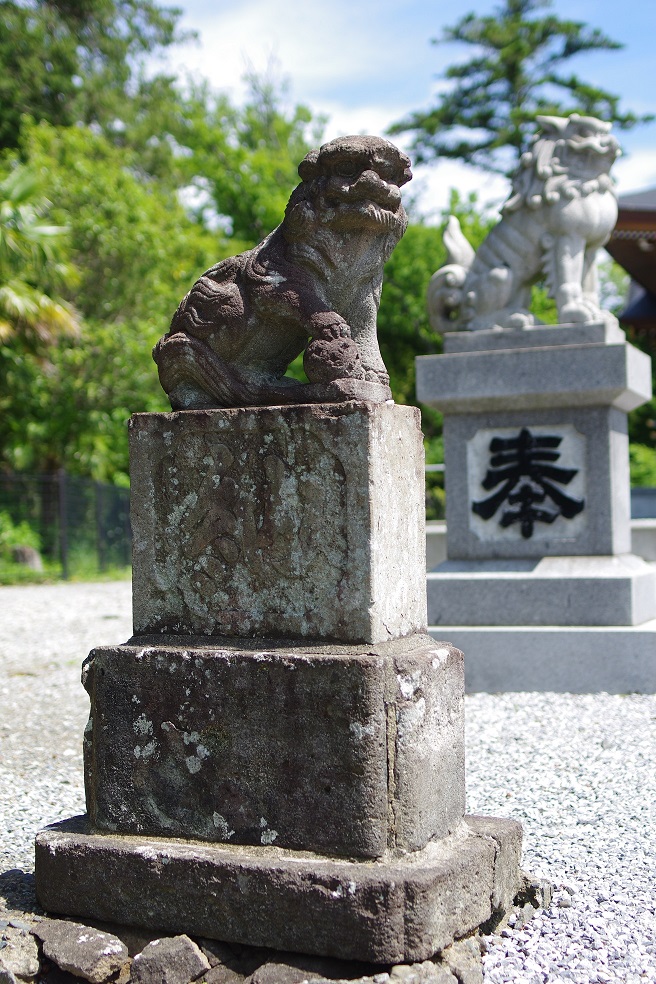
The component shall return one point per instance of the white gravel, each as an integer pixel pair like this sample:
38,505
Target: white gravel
577,771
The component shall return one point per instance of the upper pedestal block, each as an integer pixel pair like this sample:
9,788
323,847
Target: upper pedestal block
536,368
301,522
535,439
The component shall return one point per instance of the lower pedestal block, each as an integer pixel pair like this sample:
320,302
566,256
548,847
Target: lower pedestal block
385,911
343,750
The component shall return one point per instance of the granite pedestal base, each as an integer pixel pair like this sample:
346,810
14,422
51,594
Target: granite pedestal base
301,522
277,756
562,659
386,911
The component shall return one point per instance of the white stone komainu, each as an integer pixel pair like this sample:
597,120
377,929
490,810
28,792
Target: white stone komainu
561,210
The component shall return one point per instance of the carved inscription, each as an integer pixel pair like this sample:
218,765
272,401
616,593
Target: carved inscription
522,471
534,482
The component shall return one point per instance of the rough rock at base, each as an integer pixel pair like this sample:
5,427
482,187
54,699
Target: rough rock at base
81,950
173,960
19,954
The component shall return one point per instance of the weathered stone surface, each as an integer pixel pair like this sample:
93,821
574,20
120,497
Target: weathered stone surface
57,976
318,276
173,960
426,972
221,974
234,957
508,845
135,939
281,973
287,968
81,950
278,746
561,210
297,522
534,891
404,909
19,953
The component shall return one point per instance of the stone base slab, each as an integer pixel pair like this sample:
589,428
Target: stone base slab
538,336
401,910
577,660
553,591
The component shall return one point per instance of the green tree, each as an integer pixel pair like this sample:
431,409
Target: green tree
80,61
243,161
33,267
136,252
487,116
403,328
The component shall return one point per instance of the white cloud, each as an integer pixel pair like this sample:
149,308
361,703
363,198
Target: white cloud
320,46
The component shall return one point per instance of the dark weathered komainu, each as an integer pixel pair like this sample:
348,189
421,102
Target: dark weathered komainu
314,284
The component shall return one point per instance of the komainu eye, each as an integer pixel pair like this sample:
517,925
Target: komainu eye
346,169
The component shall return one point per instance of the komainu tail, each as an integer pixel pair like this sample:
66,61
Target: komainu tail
458,250
445,286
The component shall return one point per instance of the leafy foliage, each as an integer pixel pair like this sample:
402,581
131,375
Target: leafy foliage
79,61
642,461
16,534
135,251
243,161
487,116
32,265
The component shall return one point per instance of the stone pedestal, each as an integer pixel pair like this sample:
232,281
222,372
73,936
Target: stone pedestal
277,755
278,522
538,493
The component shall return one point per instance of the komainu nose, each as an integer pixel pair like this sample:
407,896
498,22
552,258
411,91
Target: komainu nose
378,189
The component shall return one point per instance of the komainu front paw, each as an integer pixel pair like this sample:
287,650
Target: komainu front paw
579,313
327,359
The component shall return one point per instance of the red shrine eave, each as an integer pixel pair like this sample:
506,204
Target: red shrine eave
633,246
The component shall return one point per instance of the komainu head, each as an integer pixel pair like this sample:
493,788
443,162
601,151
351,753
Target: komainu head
351,184
570,156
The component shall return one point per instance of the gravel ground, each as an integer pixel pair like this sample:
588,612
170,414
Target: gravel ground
577,771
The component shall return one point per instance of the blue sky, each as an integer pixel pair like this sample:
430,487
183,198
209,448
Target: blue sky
365,63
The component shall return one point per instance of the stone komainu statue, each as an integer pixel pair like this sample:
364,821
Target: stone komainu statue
561,210
313,285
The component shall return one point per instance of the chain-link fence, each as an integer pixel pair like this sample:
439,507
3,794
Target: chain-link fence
73,526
